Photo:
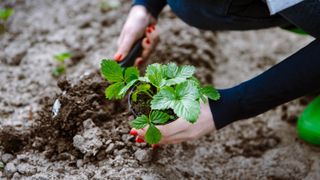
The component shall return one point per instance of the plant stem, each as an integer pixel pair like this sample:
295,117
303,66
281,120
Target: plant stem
147,93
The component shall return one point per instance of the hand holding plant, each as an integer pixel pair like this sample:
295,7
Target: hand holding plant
139,23
170,92
181,130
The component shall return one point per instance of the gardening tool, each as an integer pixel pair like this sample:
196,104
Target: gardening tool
133,54
309,123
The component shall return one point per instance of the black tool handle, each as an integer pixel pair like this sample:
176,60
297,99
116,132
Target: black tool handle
133,54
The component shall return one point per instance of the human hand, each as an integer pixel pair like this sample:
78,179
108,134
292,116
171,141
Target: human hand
182,130
136,25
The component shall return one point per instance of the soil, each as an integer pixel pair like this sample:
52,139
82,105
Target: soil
86,136
141,106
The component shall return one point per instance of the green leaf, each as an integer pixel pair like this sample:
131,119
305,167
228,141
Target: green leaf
134,96
186,71
153,135
113,90
203,98
58,71
158,117
188,106
140,88
164,99
187,109
143,87
63,56
184,100
131,73
180,76
127,87
172,70
144,79
5,13
210,92
154,73
112,71
195,81
1,165
140,122
187,90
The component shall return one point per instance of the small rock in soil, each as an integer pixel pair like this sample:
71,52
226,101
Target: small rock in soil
10,169
16,176
101,155
110,148
6,157
22,157
79,163
143,155
90,141
40,177
66,156
26,169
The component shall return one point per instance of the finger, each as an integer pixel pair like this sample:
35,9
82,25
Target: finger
133,132
154,36
177,138
142,132
139,139
120,39
138,62
124,47
147,48
174,127
149,43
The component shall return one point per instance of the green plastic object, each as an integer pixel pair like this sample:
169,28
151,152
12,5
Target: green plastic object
295,30
309,123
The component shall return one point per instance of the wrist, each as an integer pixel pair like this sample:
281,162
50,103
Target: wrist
142,12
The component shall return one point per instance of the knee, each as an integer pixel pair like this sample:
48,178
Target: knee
180,8
186,10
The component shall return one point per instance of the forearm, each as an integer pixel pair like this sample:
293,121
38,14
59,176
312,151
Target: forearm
153,6
294,77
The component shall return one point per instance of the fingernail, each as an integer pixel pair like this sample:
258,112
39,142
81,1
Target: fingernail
148,41
148,30
117,57
139,62
153,26
154,146
139,140
133,132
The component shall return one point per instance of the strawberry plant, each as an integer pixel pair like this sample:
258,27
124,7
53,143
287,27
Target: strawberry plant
61,66
166,91
5,14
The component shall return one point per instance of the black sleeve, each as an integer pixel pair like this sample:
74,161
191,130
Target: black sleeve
294,77
305,15
153,6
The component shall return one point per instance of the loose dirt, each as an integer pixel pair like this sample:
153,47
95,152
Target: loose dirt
87,136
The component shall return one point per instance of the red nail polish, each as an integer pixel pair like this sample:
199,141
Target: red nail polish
148,30
148,41
139,62
133,132
153,26
117,57
154,146
139,140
